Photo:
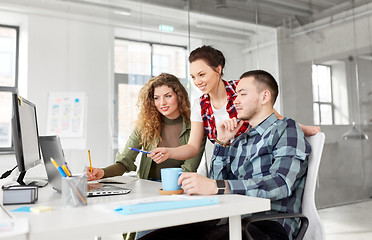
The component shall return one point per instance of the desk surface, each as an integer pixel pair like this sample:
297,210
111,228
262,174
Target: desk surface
90,221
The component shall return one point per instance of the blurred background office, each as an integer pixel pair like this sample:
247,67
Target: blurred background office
320,51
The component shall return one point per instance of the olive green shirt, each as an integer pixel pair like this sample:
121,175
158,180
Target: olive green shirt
125,160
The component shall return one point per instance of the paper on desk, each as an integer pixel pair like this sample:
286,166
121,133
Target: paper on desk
159,203
118,179
21,209
13,227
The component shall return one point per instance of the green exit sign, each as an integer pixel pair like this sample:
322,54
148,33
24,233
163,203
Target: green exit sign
165,28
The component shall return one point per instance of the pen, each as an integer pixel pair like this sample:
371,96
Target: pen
65,169
60,170
68,169
90,162
139,150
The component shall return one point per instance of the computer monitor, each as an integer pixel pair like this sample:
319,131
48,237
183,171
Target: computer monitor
26,139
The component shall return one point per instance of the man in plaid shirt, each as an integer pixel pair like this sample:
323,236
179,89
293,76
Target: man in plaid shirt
269,161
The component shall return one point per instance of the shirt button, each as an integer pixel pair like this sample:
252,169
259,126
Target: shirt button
240,176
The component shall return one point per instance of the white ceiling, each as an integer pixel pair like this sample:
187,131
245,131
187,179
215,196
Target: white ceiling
269,12
235,19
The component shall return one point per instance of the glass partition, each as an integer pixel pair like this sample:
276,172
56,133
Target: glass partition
321,58
324,63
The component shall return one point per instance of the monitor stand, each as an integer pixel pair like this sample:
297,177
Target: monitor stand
38,182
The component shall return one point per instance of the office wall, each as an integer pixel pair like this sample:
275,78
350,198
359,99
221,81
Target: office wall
71,56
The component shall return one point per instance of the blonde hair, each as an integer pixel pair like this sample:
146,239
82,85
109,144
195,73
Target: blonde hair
149,120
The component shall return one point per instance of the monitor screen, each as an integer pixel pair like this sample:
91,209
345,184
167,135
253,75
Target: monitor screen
25,136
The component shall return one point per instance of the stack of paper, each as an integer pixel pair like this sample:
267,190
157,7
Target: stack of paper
14,227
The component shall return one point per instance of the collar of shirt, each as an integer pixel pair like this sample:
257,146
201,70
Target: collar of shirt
264,125
259,129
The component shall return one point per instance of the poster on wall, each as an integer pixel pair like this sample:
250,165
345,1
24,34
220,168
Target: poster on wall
67,118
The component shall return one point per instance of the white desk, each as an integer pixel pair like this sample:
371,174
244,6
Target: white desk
90,221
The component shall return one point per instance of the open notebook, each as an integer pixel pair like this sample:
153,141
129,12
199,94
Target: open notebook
118,179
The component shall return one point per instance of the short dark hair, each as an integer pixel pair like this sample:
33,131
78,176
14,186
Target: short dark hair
213,57
266,79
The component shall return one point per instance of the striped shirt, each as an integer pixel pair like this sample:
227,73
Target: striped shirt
268,161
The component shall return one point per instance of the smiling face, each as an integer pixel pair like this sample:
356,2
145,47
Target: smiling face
205,77
166,102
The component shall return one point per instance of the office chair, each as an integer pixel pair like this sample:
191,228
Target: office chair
311,226
205,163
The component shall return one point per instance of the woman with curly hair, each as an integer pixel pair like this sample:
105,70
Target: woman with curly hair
163,121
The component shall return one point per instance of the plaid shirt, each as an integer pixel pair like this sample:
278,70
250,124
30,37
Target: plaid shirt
207,111
269,161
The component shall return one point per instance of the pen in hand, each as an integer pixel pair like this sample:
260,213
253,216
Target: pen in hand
139,150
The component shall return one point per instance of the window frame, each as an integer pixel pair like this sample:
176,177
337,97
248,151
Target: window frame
324,103
13,89
120,78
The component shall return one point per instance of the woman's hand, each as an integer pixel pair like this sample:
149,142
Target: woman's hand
97,173
159,155
310,130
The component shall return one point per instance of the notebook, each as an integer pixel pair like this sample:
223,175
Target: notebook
118,179
51,148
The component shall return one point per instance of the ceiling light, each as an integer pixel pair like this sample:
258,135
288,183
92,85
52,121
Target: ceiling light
221,4
222,28
365,57
116,9
123,12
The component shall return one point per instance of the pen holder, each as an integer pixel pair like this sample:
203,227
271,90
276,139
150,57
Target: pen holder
74,191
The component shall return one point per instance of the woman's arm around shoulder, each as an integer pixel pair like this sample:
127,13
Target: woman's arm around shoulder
308,130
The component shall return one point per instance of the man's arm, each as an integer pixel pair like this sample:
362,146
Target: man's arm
193,183
290,152
220,161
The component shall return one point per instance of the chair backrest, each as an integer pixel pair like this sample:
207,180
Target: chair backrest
315,229
205,163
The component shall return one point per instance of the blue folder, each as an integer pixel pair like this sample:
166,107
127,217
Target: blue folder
165,205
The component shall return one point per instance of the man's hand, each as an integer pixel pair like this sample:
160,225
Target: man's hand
97,173
159,155
194,183
227,129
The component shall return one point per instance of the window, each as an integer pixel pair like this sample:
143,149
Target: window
135,63
8,81
330,106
